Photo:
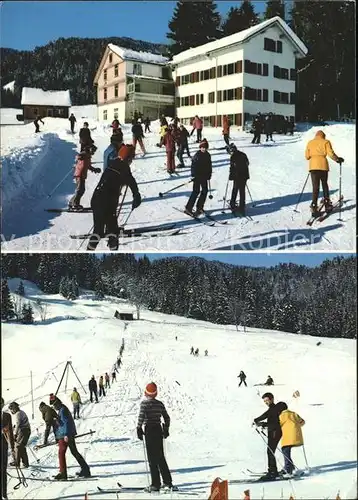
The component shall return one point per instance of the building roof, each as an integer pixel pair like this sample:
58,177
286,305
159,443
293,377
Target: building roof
41,97
132,55
10,86
240,37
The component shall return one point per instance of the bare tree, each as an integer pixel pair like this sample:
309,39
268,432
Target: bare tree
18,303
42,309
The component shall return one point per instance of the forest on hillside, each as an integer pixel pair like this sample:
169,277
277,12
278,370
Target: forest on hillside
318,301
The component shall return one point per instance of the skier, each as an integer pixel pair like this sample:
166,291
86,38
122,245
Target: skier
162,132
101,386
65,435
147,125
317,151
257,128
206,352
92,386
76,402
226,130
36,123
182,139
192,350
291,424
239,174
268,127
50,418
273,432
138,136
119,362
150,414
291,126
104,201
85,138
106,378
7,440
83,164
72,120
201,170
242,378
269,381
111,153
22,433
169,143
163,121
198,126
196,352
114,376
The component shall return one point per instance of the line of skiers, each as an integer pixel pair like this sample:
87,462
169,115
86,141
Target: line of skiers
267,124
195,352
242,377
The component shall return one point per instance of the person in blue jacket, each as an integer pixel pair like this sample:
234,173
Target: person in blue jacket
65,436
111,153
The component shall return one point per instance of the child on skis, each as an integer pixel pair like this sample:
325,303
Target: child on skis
83,164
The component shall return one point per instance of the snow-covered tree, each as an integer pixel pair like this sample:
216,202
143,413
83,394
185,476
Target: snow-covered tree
7,305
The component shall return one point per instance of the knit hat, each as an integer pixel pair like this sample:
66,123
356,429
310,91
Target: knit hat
204,144
126,152
151,390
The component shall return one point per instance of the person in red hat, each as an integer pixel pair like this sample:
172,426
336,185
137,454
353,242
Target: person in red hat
150,414
201,170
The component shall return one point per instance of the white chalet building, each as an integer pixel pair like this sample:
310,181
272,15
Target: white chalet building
239,75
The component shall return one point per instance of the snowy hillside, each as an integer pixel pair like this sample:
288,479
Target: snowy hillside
210,433
34,165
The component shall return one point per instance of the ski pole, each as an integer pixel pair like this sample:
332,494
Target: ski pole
225,195
252,201
59,184
340,192
126,220
33,454
304,454
146,459
174,188
210,195
261,433
54,442
299,198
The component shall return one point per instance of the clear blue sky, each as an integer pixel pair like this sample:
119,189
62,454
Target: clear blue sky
26,25
256,259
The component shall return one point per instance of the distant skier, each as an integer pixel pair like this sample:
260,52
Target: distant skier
317,151
201,170
65,436
104,200
7,440
150,414
50,418
257,129
138,136
226,130
242,378
147,125
268,127
36,123
291,424
182,141
114,376
22,431
239,174
72,120
192,350
82,166
106,379
85,138
92,386
119,362
206,352
111,152
269,381
196,352
198,126
273,432
76,402
101,387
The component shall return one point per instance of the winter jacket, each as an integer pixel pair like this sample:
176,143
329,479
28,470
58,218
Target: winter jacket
92,384
6,429
268,126
226,125
66,425
242,376
183,136
75,397
257,126
109,154
317,151
169,141
137,131
197,123
72,119
163,122
85,136
101,382
239,167
83,165
272,417
291,424
201,167
20,422
150,413
51,419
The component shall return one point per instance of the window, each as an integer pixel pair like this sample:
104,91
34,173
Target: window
252,94
49,112
265,95
279,46
211,97
280,73
60,112
199,99
116,90
192,100
105,94
212,74
116,71
238,93
269,45
105,114
177,102
228,95
165,73
255,68
177,81
220,71
292,98
219,121
192,76
137,87
137,69
280,97
230,69
265,69
115,114
110,58
219,96
238,119
238,67
105,75
35,111
293,74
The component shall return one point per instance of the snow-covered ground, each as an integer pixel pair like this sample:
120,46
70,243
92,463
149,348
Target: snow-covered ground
210,433
277,174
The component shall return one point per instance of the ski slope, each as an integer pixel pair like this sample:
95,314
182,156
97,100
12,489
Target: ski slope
210,434
33,165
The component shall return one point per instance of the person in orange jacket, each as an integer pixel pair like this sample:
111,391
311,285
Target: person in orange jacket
317,151
226,131
291,424
169,143
83,164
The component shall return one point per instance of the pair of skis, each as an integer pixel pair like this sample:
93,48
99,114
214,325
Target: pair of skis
322,214
212,221
169,230
255,477
136,489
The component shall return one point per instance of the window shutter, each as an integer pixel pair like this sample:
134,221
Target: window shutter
238,67
279,46
220,71
247,66
293,74
276,96
219,96
177,81
265,95
265,69
292,98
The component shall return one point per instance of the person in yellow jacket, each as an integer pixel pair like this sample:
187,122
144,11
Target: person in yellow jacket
291,424
76,402
317,151
162,132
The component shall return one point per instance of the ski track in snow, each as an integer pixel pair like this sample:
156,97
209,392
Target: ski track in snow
210,433
277,174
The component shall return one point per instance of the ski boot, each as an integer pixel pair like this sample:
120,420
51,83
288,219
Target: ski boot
151,489
62,476
170,487
198,211
270,476
188,212
83,473
328,205
314,211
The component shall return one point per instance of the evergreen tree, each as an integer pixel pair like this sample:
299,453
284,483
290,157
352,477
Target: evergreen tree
193,24
21,289
27,316
275,8
99,289
7,305
239,19
64,286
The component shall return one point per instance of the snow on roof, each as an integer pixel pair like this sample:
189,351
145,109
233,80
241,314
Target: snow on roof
41,97
144,77
239,37
128,54
9,86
